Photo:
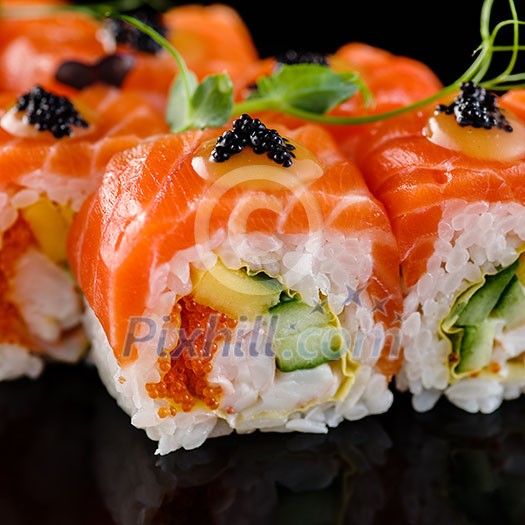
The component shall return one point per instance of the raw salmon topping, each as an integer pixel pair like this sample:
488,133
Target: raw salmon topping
186,370
252,132
476,107
49,112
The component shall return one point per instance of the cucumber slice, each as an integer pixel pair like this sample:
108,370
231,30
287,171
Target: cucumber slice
485,299
306,337
471,325
475,346
511,305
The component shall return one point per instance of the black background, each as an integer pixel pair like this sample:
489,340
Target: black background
443,34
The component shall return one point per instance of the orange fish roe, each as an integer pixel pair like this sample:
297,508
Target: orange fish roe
495,367
15,242
185,372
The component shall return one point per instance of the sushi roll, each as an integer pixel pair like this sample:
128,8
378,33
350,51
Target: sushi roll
234,290
211,39
53,152
451,179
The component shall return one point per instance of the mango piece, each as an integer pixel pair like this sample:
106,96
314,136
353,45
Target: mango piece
234,292
49,223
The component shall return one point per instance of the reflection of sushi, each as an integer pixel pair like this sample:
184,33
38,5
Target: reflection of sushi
456,468
228,295
263,478
51,421
45,177
452,183
90,51
392,81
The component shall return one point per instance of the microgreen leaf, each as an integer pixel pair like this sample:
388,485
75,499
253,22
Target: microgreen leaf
308,87
209,103
212,102
179,107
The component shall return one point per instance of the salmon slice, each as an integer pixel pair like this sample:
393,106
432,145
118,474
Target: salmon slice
118,121
153,203
34,44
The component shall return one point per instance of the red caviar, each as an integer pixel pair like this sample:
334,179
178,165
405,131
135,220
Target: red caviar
185,371
495,367
15,242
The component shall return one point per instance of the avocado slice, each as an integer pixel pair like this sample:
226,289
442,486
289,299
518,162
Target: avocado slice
306,337
234,292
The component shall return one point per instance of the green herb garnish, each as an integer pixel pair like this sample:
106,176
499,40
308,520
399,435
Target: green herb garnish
294,89
309,91
305,87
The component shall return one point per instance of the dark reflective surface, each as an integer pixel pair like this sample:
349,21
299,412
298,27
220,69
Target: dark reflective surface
69,455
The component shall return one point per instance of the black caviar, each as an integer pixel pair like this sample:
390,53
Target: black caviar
49,112
111,70
253,133
125,33
476,107
293,57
